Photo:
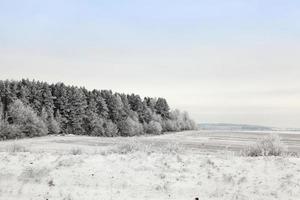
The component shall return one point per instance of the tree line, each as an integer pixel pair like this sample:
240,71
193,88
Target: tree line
34,108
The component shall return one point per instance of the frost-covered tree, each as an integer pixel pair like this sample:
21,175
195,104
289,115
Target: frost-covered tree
130,127
10,131
52,125
95,125
111,129
178,122
76,111
69,109
61,103
27,120
153,127
114,105
162,108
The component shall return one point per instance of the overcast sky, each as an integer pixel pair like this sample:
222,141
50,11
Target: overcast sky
233,61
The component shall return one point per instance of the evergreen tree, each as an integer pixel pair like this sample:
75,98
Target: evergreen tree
23,91
76,111
1,111
36,97
102,109
114,105
126,105
47,99
162,108
7,96
33,108
61,103
150,102
49,120
140,107
95,125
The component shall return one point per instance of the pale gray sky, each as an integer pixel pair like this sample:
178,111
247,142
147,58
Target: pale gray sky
234,62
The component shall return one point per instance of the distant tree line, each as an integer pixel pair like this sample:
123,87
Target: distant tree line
34,108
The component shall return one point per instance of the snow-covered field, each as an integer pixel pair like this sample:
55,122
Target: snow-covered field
179,166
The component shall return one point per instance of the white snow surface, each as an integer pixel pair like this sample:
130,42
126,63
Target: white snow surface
79,168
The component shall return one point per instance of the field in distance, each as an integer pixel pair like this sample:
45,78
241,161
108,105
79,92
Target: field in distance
203,141
184,165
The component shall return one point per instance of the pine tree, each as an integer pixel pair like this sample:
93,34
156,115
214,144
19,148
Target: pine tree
61,104
58,108
114,105
93,123
150,102
1,111
47,99
138,106
76,111
53,126
7,95
3,98
102,108
36,97
23,92
162,108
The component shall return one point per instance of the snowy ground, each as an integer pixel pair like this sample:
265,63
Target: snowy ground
174,166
